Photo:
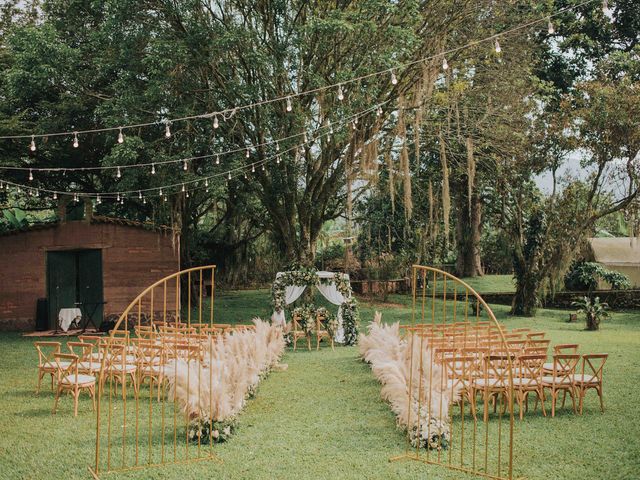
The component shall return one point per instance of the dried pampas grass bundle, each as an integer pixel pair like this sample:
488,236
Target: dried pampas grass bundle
412,383
214,388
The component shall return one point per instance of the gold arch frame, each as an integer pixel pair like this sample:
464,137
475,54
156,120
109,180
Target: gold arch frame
169,307
471,321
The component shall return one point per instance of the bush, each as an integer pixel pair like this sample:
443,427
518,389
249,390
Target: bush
584,276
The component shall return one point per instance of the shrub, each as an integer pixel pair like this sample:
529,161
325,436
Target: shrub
584,276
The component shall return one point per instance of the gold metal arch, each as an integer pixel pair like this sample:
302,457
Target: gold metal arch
463,341
139,427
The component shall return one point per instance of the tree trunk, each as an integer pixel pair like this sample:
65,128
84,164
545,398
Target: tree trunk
525,301
468,232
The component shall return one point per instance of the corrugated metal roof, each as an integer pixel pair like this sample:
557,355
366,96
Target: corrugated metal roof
616,251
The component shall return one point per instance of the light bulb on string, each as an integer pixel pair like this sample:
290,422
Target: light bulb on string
445,65
289,106
246,153
185,166
206,182
216,124
340,93
144,200
277,146
167,130
118,173
183,189
160,193
229,176
139,194
121,200
497,46
30,175
245,175
153,169
217,159
55,196
278,159
550,28
76,143
394,80
32,147
378,111
253,168
165,198
263,167
75,197
187,195
118,197
98,200
120,136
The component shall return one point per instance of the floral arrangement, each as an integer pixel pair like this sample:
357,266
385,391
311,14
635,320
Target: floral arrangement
307,315
434,434
350,321
329,320
201,430
407,383
299,278
218,386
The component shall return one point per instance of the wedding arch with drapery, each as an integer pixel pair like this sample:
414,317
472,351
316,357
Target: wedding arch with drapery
335,287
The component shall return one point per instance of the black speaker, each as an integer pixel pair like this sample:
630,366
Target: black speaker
42,315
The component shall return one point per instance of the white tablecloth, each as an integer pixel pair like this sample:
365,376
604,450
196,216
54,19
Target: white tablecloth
67,316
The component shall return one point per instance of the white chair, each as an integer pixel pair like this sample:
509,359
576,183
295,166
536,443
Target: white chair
70,380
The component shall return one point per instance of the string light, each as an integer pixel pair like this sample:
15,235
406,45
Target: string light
277,146
118,173
75,197
120,136
160,193
139,194
118,199
98,200
165,198
289,107
30,175
445,65
55,196
216,124
378,111
394,80
253,168
263,167
32,147
185,166
167,130
153,169
229,175
550,27
187,195
340,93
183,187
206,182
144,200
75,140
498,47
278,159
246,154
217,159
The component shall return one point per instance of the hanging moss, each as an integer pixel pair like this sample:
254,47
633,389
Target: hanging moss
446,199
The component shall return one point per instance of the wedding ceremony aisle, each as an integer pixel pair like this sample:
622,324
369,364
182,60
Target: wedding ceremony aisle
323,417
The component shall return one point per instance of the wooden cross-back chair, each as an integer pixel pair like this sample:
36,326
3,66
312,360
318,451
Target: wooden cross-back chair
590,376
297,332
151,365
118,367
322,332
529,380
87,364
95,340
494,383
70,380
460,372
562,379
46,361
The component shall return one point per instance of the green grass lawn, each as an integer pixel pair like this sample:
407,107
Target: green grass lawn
323,417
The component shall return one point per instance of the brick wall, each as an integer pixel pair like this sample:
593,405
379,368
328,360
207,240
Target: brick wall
132,259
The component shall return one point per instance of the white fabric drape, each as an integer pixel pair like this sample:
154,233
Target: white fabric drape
328,291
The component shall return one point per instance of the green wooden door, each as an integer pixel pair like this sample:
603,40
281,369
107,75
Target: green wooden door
61,283
90,283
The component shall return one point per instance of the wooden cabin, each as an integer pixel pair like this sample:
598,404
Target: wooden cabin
85,261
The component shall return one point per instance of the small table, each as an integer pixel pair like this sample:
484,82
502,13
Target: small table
67,316
90,309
